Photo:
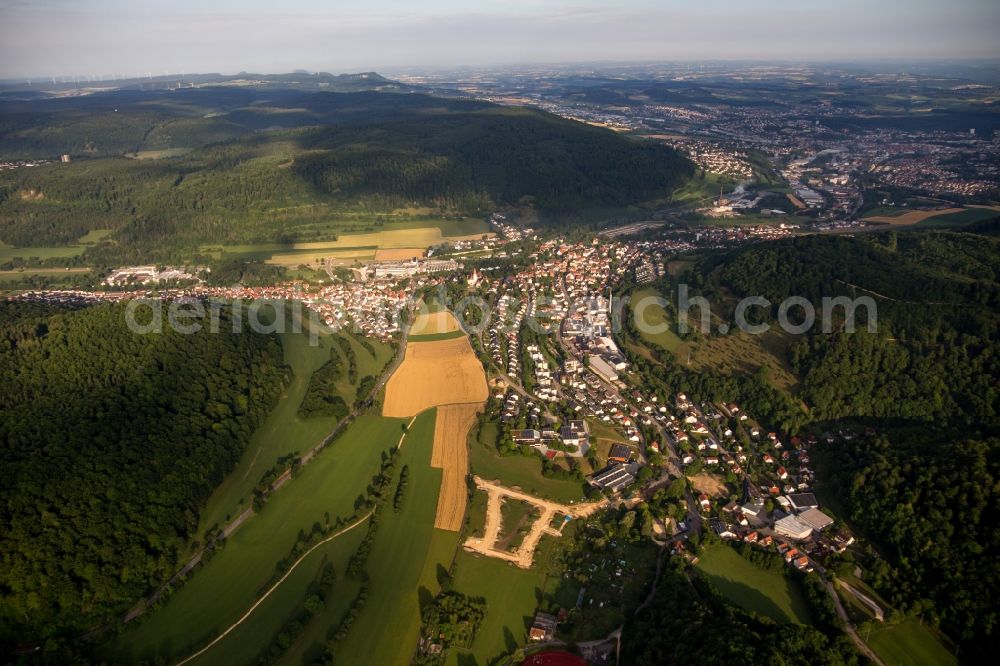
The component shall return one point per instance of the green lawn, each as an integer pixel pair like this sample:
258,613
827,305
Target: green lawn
909,644
522,471
225,587
406,557
750,587
282,433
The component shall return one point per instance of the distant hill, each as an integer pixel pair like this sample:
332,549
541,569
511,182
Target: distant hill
269,165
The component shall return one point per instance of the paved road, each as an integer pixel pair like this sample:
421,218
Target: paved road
849,628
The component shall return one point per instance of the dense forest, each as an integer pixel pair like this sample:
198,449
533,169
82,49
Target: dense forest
689,623
929,501
332,156
110,443
934,357
322,397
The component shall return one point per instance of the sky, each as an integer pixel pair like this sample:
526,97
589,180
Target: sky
126,37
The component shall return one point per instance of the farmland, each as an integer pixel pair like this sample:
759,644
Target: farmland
911,217
430,323
751,587
512,595
404,564
451,455
435,373
227,585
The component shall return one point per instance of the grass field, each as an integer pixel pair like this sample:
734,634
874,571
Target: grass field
648,315
751,587
407,555
512,596
94,236
9,252
520,471
909,644
284,432
246,642
227,585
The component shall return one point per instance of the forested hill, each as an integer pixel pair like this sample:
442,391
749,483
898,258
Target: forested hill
110,443
934,358
924,488
360,153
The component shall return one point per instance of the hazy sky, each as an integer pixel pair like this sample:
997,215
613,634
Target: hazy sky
67,37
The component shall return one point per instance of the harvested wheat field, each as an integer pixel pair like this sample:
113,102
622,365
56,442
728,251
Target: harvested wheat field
911,217
451,454
440,372
431,323
400,254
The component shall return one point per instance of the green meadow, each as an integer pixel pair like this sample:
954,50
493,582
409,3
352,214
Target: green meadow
222,590
752,588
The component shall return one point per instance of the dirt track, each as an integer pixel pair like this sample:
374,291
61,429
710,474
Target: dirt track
525,553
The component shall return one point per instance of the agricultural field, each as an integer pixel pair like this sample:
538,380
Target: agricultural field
963,217
9,252
224,588
512,596
432,323
909,644
400,254
751,587
649,315
405,562
910,217
518,471
441,372
451,455
348,246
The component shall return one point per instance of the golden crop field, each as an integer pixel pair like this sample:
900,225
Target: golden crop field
451,454
440,372
911,217
400,254
431,323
